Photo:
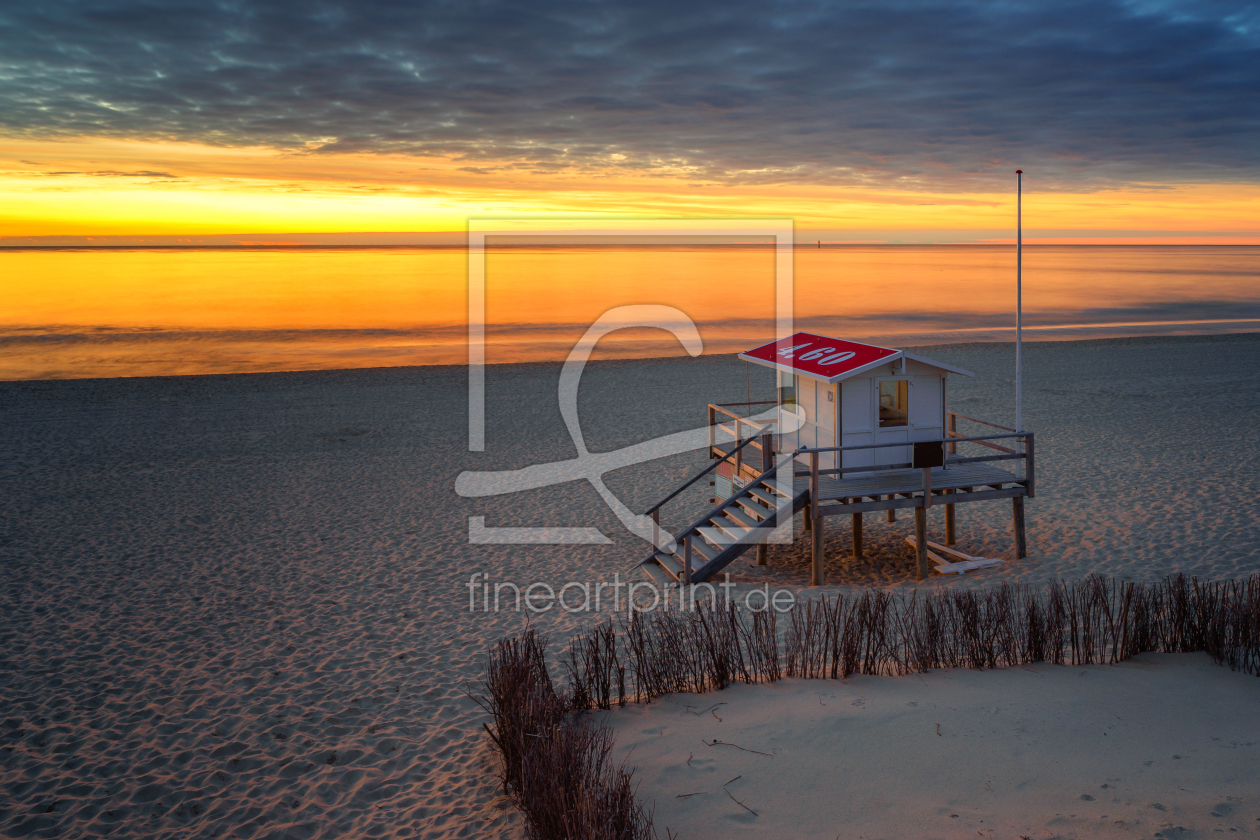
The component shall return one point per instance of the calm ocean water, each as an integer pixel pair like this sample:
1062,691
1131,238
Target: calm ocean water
74,313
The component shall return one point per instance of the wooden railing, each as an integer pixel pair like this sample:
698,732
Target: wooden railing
765,445
954,417
735,427
1008,454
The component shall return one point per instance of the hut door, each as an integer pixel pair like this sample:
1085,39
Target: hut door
892,419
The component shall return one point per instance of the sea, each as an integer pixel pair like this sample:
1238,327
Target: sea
74,313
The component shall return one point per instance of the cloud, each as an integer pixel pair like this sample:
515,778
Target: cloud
906,93
111,173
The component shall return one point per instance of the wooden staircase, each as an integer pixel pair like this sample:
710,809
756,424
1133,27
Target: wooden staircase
740,522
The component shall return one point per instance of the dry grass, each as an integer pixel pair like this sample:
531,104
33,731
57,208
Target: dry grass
555,763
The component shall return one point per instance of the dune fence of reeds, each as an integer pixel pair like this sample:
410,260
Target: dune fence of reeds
556,763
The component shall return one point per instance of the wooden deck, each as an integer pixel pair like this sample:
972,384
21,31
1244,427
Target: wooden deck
905,482
961,480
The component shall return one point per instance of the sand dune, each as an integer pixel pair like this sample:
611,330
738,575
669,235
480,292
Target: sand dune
237,605
1164,745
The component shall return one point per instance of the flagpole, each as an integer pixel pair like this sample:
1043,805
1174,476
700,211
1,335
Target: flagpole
1019,300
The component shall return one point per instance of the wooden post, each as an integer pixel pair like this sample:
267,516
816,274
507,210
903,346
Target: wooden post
809,517
816,575
1021,542
687,560
927,487
857,536
892,512
656,529
767,461
949,523
1029,472
953,430
712,429
920,539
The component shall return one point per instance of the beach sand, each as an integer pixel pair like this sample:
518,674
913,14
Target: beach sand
1164,745
237,606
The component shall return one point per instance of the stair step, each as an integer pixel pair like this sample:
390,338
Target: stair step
732,527
750,508
717,536
764,495
670,563
737,515
702,548
658,575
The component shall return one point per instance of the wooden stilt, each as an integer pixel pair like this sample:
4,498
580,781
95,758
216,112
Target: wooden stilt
949,523
1021,541
857,536
816,575
920,538
809,517
762,551
892,513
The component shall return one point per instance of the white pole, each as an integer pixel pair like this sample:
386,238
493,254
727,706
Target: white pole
1019,300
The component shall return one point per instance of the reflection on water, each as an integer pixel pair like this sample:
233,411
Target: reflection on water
92,312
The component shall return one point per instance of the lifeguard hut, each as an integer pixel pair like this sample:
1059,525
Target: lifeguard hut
856,429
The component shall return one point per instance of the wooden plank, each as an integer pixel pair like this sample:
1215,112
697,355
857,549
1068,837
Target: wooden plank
981,422
989,445
909,481
658,575
816,576
740,518
717,537
816,570
702,548
920,533
1021,541
669,562
946,550
985,459
1029,466
750,507
917,502
763,496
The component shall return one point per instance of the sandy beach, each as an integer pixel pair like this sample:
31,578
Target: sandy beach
237,606
1164,745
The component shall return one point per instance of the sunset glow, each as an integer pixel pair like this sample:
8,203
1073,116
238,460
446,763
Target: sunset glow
103,187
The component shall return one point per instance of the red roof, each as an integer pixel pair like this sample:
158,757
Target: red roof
820,357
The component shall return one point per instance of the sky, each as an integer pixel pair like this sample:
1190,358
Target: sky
1133,120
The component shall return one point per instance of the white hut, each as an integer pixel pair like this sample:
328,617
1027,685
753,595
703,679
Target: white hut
860,429
881,395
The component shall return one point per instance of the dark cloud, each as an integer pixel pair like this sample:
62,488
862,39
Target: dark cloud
911,93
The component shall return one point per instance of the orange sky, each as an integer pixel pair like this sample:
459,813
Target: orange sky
99,187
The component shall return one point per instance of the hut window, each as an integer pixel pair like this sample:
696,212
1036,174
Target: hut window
787,390
894,403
